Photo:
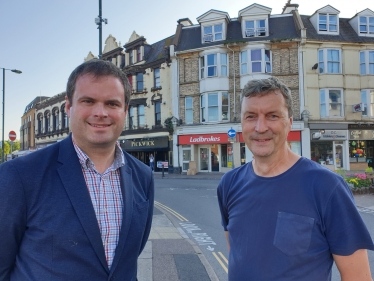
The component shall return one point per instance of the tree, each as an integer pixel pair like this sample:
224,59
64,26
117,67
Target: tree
6,149
16,145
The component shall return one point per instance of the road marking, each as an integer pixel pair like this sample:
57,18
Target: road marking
365,210
223,257
171,211
220,261
201,238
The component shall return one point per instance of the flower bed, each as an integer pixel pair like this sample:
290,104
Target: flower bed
359,183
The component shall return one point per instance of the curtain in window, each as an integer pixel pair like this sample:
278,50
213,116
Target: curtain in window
333,23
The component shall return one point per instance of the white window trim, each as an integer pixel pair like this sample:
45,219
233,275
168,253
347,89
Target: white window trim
367,33
187,147
328,103
255,31
327,24
218,66
205,96
367,63
325,61
185,109
204,37
367,102
249,61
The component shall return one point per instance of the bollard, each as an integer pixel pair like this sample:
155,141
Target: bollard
162,170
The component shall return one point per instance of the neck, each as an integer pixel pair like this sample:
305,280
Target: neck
274,166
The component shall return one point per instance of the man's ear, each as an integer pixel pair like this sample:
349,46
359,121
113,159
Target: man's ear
67,106
126,108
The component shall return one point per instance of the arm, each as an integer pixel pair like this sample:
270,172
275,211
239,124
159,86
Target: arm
12,218
354,267
227,240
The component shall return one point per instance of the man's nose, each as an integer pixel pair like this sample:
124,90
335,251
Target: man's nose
261,125
100,110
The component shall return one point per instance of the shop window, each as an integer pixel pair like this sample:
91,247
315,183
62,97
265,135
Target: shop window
322,152
357,151
186,152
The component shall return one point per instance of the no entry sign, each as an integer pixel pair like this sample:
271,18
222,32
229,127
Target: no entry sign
12,135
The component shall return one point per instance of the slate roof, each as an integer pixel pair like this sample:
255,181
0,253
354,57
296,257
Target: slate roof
32,104
346,32
279,27
157,51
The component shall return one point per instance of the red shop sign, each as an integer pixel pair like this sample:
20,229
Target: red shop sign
203,139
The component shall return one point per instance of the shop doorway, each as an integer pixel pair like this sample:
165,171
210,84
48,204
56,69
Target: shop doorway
209,158
339,155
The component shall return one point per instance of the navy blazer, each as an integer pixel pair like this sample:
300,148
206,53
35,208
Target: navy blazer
48,227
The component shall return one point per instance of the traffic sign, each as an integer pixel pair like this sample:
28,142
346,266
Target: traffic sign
12,135
231,133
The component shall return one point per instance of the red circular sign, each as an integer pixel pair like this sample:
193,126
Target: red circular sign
12,135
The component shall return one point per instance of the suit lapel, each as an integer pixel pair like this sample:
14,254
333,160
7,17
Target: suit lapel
127,195
73,180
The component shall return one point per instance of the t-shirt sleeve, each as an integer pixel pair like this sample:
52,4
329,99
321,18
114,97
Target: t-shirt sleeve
222,202
345,230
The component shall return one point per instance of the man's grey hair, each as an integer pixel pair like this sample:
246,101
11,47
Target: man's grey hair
262,87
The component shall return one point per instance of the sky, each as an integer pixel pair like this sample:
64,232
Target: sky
47,39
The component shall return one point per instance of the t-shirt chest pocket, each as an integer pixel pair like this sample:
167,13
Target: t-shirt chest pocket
293,233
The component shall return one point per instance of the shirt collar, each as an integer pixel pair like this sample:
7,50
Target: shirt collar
85,161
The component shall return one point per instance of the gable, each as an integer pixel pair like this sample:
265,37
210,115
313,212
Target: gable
110,44
133,37
328,10
213,15
366,13
254,9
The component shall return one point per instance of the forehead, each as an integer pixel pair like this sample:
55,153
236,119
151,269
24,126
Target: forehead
90,84
273,100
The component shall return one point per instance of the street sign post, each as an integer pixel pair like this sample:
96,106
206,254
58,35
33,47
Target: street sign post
12,135
231,133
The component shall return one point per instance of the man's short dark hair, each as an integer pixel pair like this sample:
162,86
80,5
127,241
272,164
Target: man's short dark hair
261,87
97,68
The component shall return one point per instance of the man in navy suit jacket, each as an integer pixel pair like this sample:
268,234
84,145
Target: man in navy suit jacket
80,209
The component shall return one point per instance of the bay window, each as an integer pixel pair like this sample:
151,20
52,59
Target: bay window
329,61
255,61
367,62
213,65
331,103
367,98
214,107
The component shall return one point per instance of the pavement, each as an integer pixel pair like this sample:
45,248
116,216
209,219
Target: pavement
170,255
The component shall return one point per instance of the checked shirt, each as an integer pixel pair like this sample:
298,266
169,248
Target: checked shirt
106,196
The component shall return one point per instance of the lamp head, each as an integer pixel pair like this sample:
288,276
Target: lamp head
16,71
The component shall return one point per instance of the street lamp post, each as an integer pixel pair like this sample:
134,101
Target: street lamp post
3,126
99,21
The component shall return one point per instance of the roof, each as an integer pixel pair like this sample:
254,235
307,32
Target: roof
279,27
157,50
32,104
346,32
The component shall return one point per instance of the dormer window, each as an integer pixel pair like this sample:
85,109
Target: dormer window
328,23
212,33
255,28
367,25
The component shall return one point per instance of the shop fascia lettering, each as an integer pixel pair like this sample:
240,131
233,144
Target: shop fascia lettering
202,139
143,143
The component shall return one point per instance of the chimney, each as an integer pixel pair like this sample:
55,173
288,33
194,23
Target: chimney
288,7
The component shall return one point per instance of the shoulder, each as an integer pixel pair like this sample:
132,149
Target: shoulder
235,174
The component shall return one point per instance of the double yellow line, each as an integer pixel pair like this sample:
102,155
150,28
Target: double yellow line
222,260
171,211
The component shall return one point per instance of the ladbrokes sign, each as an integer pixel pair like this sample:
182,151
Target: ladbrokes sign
203,139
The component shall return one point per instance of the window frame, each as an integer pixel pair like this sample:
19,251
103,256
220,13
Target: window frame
255,28
328,31
205,107
366,63
327,102
138,54
131,117
217,66
367,100
141,116
139,81
156,78
248,64
131,57
211,37
325,61
157,113
367,26
188,110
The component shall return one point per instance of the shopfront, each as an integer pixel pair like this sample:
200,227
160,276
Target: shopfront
328,148
142,148
361,148
212,152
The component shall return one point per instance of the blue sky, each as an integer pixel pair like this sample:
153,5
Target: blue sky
46,40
